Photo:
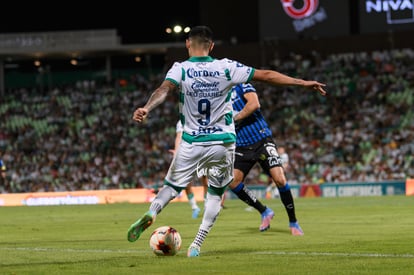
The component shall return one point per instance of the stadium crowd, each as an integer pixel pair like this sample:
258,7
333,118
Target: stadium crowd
82,137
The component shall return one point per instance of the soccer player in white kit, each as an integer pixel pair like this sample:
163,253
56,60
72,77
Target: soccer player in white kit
206,112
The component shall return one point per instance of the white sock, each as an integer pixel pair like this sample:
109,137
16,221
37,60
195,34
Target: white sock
192,201
212,209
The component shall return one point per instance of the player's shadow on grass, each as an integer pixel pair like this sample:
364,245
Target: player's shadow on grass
273,230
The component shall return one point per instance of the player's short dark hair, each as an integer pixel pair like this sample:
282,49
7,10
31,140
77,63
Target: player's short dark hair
203,33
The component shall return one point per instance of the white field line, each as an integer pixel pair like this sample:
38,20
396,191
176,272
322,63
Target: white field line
127,251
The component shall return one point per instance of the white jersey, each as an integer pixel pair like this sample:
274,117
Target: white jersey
205,97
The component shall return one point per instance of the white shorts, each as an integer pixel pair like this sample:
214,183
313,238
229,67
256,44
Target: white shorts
215,160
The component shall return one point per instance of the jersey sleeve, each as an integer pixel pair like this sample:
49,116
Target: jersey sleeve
239,72
248,88
175,73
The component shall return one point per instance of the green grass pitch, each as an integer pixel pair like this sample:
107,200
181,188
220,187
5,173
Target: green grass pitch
352,235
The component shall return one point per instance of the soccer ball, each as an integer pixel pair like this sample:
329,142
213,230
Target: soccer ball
165,241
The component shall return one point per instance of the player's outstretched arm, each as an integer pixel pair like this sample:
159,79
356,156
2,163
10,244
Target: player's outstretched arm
276,78
157,97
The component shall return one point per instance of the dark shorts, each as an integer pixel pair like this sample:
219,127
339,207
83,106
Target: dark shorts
264,152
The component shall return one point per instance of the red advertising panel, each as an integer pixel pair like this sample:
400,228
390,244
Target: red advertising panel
142,195
409,187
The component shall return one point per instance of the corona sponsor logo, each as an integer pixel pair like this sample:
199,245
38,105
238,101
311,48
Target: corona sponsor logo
191,73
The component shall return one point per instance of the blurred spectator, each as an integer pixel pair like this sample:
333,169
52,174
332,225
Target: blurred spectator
3,176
